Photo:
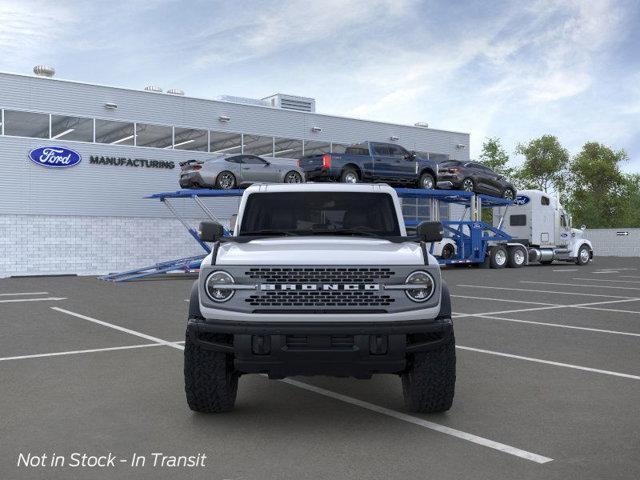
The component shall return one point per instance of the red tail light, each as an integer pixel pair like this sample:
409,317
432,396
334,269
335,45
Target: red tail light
326,161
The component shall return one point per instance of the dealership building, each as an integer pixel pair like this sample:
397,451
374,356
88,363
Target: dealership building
91,217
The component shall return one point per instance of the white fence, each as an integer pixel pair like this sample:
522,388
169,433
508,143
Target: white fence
614,242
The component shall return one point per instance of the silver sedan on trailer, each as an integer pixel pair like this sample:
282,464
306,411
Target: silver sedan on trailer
234,171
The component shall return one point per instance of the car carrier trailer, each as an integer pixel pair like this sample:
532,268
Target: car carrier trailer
469,241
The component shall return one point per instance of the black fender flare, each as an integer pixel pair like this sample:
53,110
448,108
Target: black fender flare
194,302
445,301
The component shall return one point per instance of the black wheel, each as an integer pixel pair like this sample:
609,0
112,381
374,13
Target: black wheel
517,257
448,251
225,180
498,257
427,181
468,185
210,381
349,175
584,255
508,194
428,383
293,177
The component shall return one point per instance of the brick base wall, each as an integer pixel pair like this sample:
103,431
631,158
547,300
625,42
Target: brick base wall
52,245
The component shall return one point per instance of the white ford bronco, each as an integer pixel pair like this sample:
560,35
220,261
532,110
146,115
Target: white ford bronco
320,279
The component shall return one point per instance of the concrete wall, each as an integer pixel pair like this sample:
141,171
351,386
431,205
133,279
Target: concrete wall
609,242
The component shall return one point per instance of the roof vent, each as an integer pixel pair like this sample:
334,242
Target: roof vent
44,71
292,102
422,124
153,88
175,91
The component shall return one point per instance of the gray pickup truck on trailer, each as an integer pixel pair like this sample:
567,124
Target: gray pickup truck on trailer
320,279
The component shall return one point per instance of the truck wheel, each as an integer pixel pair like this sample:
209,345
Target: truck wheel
427,181
428,384
468,185
210,381
583,255
498,257
517,257
349,175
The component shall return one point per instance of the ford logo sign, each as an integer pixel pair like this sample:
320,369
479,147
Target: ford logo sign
521,200
55,157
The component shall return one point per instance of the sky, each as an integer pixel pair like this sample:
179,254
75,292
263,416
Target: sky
514,70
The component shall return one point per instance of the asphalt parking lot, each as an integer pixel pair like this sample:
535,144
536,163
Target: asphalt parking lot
548,386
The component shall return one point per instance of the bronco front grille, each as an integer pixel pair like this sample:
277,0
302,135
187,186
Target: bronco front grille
320,274
299,298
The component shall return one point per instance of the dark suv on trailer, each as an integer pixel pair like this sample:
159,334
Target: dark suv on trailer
475,177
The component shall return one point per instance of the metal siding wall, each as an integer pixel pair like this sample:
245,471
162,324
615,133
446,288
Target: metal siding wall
104,190
607,243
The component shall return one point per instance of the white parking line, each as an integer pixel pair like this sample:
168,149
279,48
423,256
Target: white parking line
549,362
23,293
503,300
590,305
558,325
485,442
528,290
76,352
604,280
565,269
119,328
43,299
615,287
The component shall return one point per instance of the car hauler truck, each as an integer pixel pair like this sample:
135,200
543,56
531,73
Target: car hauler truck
538,221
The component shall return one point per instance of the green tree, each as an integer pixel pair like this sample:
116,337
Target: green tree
495,157
599,191
545,164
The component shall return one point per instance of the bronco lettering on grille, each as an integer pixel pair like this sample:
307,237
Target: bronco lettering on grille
322,286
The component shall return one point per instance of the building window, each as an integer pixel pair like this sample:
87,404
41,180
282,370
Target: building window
338,147
287,148
258,145
158,136
191,139
312,147
26,124
226,143
114,133
72,128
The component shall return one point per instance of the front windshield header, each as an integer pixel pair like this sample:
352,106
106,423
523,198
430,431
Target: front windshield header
320,213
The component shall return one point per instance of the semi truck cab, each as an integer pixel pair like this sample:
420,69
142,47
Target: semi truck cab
538,221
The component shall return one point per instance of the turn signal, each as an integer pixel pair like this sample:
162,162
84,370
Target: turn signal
326,161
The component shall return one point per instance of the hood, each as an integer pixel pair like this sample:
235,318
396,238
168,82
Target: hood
577,232
320,251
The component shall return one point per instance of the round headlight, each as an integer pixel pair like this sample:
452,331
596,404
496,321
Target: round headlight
425,286
214,286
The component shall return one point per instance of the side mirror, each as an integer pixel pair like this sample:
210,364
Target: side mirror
211,231
583,227
430,231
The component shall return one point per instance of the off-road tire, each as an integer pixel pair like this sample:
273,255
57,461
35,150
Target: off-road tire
349,171
428,383
210,381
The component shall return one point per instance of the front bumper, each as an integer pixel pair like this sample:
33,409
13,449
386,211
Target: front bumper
316,348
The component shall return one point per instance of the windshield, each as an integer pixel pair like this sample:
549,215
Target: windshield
320,213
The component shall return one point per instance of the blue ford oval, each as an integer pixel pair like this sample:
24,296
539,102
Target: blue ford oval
55,157
521,200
